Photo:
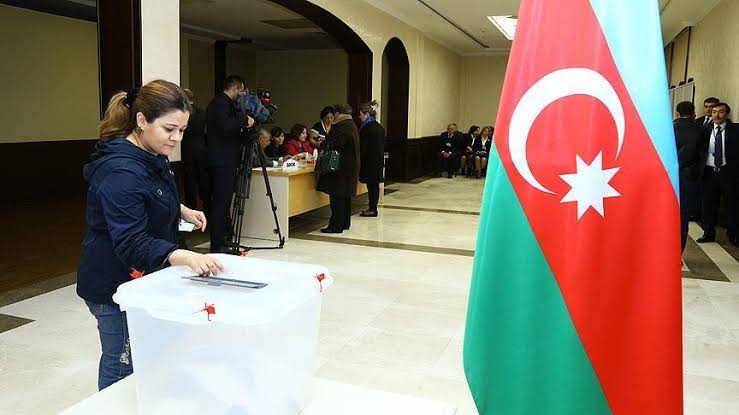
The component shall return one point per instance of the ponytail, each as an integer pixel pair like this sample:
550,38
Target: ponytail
117,119
152,100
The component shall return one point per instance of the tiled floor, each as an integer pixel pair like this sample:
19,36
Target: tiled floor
394,318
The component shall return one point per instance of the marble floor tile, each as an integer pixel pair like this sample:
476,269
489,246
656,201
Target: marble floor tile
393,351
450,364
707,395
454,391
703,357
398,380
407,319
440,230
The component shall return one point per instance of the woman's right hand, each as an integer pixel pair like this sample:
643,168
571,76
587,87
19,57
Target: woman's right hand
200,263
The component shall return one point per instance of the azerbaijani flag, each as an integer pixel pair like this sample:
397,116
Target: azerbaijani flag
575,302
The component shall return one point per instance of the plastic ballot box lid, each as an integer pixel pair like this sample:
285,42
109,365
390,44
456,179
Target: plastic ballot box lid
250,291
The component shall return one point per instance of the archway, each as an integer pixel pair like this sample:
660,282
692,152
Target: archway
359,62
395,89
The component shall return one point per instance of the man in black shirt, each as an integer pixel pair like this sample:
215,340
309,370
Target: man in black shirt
195,158
226,127
687,138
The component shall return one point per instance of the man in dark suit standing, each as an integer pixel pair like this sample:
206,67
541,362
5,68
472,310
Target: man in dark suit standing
707,119
720,144
225,125
195,158
687,138
450,143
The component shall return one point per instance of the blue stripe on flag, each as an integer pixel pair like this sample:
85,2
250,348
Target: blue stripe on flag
633,32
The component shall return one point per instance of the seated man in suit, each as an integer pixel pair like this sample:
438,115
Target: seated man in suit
720,150
448,153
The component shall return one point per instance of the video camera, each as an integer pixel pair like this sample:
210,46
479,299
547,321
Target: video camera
259,106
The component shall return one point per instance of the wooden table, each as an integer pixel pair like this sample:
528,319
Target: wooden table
294,193
329,398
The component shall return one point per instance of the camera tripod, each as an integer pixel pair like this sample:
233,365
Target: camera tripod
243,188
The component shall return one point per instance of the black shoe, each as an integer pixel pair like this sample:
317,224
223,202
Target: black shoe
330,230
706,238
225,250
368,214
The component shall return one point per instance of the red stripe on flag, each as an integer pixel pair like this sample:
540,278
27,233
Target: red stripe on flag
619,273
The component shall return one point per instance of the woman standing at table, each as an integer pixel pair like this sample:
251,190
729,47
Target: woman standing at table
298,143
320,129
372,153
133,211
341,184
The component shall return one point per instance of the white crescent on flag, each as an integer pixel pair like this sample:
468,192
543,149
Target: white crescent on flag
552,87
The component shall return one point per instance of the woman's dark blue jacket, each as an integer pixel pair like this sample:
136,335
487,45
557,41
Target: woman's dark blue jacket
133,212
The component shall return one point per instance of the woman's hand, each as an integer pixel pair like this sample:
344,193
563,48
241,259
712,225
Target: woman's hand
200,263
194,216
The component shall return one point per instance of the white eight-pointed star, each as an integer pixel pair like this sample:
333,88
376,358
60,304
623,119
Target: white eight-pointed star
590,185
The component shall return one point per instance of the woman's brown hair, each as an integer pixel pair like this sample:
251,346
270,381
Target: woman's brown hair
153,100
296,131
369,108
487,128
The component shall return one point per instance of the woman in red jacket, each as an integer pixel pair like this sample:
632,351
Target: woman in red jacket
298,142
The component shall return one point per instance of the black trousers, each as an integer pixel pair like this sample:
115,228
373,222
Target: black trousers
373,191
686,204
449,164
717,187
223,184
341,212
197,185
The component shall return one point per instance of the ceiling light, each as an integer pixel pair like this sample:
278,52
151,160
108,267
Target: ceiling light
506,25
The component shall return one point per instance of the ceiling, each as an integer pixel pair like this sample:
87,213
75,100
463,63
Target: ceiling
472,19
267,25
464,29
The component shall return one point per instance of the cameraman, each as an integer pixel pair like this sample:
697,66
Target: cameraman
226,126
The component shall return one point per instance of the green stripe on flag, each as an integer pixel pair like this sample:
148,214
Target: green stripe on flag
522,354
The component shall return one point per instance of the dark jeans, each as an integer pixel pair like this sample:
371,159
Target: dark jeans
223,180
715,187
115,361
197,183
373,190
341,212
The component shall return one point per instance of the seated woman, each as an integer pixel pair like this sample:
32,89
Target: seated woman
466,158
481,150
276,147
298,144
320,129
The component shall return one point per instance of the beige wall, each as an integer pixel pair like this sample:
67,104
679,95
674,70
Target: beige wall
197,70
303,82
481,84
242,62
48,77
200,70
438,102
160,40
679,58
714,55
376,28
297,79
